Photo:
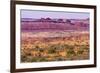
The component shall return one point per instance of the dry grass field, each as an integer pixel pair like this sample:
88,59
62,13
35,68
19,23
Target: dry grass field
47,46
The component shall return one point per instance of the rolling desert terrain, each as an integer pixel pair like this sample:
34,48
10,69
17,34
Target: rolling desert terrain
45,40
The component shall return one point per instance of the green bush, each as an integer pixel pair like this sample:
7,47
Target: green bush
80,51
42,59
51,51
70,52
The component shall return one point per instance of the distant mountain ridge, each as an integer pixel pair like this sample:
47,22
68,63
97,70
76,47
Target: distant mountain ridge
28,24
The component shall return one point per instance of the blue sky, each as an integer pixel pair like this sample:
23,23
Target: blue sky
37,14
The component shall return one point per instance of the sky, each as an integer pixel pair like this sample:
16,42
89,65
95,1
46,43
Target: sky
37,14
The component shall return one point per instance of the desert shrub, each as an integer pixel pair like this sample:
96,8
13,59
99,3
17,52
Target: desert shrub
61,46
80,51
84,47
28,54
53,47
51,51
38,59
41,50
42,59
36,46
68,46
26,58
70,52
34,59
23,58
60,59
